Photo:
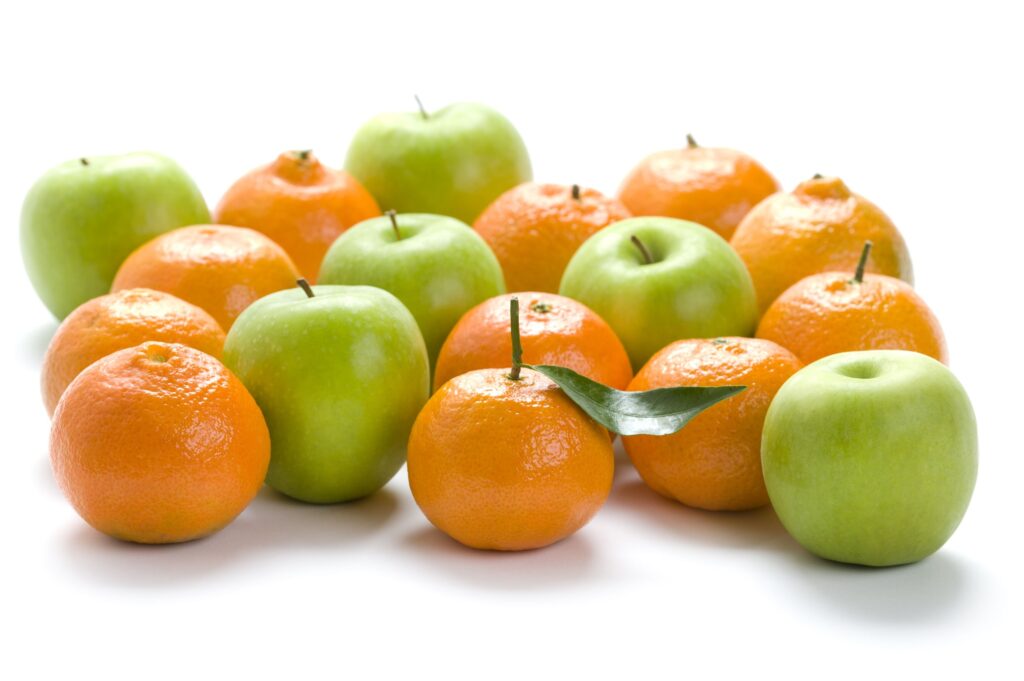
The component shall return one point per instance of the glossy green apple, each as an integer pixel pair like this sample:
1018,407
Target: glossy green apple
437,266
454,161
871,457
81,219
656,280
340,377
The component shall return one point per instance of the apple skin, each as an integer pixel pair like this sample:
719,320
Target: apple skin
440,268
81,219
697,287
870,457
340,378
453,162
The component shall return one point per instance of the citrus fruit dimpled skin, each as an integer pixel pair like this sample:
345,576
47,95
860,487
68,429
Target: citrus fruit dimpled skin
300,204
221,269
158,443
534,229
554,329
121,320
713,187
508,465
714,462
829,313
820,227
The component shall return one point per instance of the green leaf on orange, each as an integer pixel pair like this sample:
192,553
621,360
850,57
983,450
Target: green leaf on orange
661,411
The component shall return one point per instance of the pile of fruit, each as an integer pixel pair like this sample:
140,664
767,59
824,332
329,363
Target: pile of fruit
749,345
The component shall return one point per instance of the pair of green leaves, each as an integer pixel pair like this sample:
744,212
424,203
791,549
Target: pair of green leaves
661,411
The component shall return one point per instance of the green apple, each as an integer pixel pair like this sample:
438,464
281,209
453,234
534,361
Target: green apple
451,162
437,266
871,457
340,373
81,219
657,280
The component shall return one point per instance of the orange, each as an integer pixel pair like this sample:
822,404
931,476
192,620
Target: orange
714,187
835,312
120,320
534,230
507,464
221,269
158,443
554,330
714,462
300,204
819,227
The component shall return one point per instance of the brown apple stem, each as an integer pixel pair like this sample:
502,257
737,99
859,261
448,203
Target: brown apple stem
859,274
642,248
817,176
690,142
394,223
576,192
423,112
304,285
84,161
303,155
517,345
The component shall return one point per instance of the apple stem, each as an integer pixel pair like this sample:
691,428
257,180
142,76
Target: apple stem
303,155
423,112
576,192
84,161
394,223
642,248
859,274
817,176
517,344
690,142
304,285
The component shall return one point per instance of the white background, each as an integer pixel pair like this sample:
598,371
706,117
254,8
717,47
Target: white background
917,108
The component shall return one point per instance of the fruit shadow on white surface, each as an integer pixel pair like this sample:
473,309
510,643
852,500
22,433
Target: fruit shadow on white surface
572,561
277,528
933,589
273,524
34,343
